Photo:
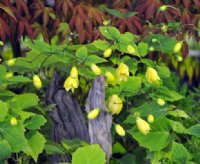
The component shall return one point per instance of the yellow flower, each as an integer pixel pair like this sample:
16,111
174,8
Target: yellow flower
130,49
74,72
71,83
120,130
11,62
9,74
150,118
37,82
163,8
152,75
107,52
95,69
13,121
1,43
93,114
143,126
160,102
110,76
177,47
115,104
122,72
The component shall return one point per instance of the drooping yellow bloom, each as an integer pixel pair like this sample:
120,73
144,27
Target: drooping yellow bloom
71,83
74,72
160,102
130,49
37,82
143,126
177,47
120,130
11,62
150,118
95,69
115,104
110,77
107,52
13,121
1,43
152,75
122,72
93,114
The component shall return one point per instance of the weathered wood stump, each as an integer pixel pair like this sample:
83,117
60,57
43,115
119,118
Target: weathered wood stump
68,119
100,128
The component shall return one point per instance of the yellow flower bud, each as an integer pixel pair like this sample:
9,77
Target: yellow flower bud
120,130
13,121
74,72
95,69
71,83
9,74
93,114
160,102
164,28
115,104
130,49
122,72
143,126
163,8
110,77
150,118
107,52
37,82
1,43
106,22
152,75
177,47
11,62
151,49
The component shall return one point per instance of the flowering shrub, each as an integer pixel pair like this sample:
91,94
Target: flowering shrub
141,94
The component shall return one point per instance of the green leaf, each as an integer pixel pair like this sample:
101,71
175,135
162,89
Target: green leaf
35,122
5,149
53,148
72,145
179,153
154,141
23,101
128,159
130,14
118,148
82,54
178,113
101,44
164,44
3,110
177,126
93,59
18,79
194,130
143,48
163,71
131,86
114,12
14,135
36,143
168,95
92,154
109,32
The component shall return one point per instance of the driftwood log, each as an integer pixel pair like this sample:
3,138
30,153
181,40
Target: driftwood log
69,121
100,128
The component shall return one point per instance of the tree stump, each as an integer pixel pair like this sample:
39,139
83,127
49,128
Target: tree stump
68,119
100,127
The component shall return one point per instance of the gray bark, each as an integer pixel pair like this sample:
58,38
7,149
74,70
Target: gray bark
100,128
68,119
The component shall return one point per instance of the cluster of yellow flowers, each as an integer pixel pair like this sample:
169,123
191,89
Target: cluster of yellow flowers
72,81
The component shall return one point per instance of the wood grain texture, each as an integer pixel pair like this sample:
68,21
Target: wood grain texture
100,128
